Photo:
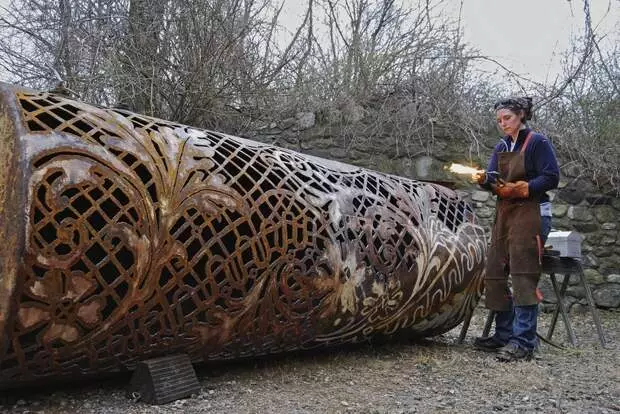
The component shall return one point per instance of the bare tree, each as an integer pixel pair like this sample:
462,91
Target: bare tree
196,61
580,111
228,64
140,56
407,67
44,43
584,119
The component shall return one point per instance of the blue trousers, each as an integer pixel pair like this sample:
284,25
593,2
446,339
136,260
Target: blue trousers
518,325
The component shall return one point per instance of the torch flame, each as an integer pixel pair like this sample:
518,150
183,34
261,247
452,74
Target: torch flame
463,169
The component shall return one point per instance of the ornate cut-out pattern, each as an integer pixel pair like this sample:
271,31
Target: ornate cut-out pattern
146,237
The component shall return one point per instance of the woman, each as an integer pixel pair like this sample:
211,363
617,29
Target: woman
521,170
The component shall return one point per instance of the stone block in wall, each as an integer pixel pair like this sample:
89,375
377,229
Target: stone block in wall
492,202
577,291
356,154
586,227
580,308
571,195
463,194
607,296
340,153
609,226
598,200
580,213
559,210
305,120
602,251
570,301
330,116
609,238
601,238
561,223
571,170
480,196
311,143
287,123
327,153
485,212
609,264
423,166
615,203
590,260
593,277
549,305
613,278
574,280
265,135
606,214
592,238
289,140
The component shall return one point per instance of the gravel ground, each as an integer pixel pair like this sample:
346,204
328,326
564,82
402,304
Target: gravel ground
436,375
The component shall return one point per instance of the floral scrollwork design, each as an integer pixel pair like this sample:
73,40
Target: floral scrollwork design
61,301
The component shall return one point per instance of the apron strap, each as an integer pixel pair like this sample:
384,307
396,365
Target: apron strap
527,141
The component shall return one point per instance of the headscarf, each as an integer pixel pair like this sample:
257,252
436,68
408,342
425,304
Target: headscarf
515,105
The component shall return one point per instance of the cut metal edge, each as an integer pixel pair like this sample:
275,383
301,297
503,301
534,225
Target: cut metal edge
11,219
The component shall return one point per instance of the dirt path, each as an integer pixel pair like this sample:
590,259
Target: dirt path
434,376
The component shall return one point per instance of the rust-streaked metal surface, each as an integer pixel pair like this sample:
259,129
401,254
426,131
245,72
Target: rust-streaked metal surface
127,237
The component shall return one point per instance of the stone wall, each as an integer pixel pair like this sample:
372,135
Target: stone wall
577,204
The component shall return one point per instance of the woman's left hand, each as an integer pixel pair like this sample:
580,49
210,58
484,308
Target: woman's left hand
520,189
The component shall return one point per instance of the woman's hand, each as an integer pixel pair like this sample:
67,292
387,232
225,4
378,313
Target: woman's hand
480,177
506,191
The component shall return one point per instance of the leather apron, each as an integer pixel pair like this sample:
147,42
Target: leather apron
516,248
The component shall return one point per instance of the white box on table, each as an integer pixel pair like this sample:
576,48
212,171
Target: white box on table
568,243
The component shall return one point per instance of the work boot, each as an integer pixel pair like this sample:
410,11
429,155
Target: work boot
488,343
503,332
513,352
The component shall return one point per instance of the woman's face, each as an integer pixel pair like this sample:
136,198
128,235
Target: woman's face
508,121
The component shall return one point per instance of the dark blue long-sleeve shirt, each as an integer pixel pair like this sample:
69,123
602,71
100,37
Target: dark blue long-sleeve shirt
541,166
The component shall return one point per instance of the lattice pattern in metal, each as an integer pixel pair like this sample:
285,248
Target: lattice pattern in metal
145,237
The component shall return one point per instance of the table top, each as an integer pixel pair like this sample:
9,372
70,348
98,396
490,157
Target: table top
558,264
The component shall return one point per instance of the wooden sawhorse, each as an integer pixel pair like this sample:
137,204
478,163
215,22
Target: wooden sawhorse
553,265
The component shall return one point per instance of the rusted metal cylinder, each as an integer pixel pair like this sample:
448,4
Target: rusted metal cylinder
126,237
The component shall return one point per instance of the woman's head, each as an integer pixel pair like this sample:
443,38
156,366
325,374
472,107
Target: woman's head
512,114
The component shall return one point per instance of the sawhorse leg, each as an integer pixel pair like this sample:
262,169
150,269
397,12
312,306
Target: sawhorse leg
467,320
590,299
560,308
465,327
488,323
